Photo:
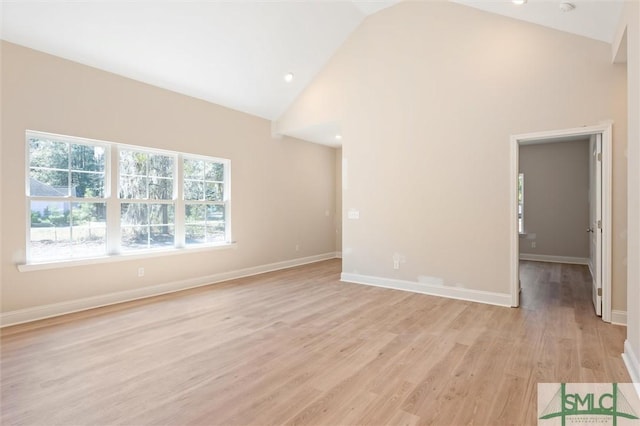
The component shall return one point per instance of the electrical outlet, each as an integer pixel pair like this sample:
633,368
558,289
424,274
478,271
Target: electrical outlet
297,247
533,244
140,272
396,264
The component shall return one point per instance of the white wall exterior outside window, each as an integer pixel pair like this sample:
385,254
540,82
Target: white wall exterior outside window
90,199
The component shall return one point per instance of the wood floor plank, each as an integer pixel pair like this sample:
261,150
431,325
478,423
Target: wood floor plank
387,403
300,347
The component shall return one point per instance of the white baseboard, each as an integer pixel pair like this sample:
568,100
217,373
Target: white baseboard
339,255
500,299
554,259
633,365
619,317
47,311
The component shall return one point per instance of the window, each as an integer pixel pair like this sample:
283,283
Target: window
74,213
521,203
147,218
205,201
66,188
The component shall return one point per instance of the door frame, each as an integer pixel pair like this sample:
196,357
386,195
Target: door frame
515,142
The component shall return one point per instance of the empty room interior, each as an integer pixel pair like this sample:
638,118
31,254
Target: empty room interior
319,212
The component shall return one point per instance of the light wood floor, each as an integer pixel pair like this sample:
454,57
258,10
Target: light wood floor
300,347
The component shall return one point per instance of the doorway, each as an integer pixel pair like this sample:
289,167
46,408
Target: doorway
599,210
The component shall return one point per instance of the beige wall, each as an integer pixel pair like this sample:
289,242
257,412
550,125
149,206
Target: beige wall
556,203
633,334
283,190
630,21
2,179
427,95
338,214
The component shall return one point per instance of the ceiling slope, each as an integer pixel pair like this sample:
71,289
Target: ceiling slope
596,19
236,53
230,53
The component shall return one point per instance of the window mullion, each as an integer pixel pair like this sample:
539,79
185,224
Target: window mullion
27,190
178,190
227,201
113,202
69,171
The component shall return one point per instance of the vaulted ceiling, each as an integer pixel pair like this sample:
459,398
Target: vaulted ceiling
236,53
232,53
596,19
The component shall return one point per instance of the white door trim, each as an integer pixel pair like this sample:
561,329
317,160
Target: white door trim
537,137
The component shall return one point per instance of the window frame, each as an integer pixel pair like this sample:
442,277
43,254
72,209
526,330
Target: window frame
68,199
226,199
113,202
144,201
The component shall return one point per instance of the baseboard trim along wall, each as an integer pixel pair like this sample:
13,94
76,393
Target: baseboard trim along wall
554,259
619,317
633,365
490,298
47,311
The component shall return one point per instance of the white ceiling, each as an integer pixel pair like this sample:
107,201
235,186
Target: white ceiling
233,53
596,19
236,53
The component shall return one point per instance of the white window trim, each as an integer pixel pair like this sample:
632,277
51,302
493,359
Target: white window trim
226,201
128,256
113,205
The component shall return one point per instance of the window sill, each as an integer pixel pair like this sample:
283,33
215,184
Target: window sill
57,264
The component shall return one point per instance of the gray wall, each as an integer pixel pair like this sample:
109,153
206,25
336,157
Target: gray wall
556,198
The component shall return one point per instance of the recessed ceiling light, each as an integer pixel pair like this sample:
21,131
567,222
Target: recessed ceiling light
518,2
288,77
338,137
565,6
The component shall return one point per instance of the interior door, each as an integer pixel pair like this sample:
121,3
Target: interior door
595,220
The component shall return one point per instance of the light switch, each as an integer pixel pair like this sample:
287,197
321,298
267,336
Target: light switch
353,214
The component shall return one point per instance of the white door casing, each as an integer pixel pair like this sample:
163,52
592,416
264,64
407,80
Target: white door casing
605,131
595,220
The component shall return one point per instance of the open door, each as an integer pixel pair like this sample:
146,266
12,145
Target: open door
599,209
595,220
